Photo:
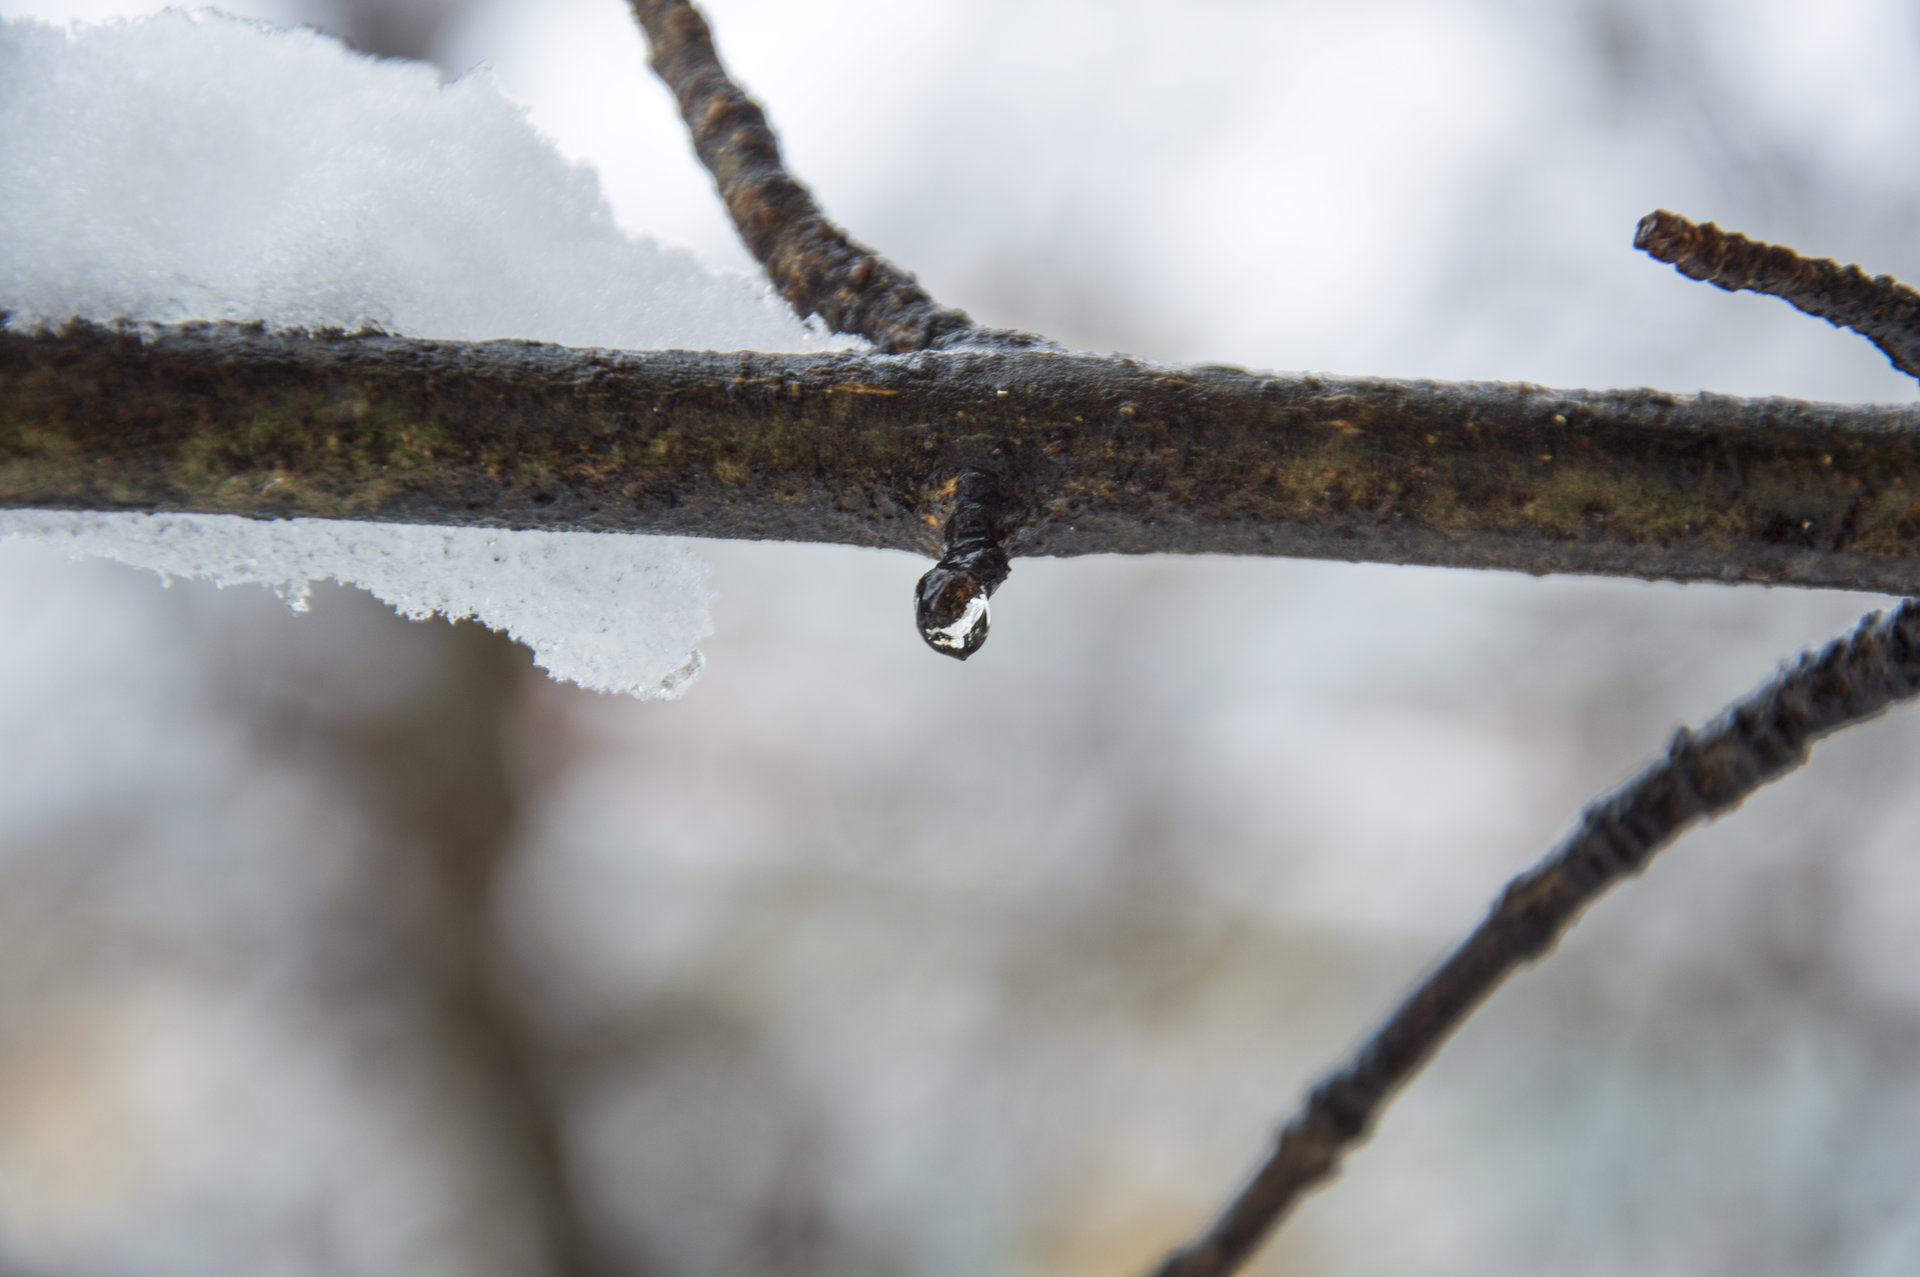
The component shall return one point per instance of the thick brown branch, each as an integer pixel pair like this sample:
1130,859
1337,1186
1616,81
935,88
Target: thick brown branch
814,264
1090,455
1878,307
1704,774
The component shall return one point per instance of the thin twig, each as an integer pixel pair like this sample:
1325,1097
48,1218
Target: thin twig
1878,307
1704,774
814,264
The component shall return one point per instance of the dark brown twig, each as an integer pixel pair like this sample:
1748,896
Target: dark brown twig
950,602
1704,774
814,264
1878,307
821,271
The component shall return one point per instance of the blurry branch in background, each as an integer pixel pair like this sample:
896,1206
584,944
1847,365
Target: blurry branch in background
415,29
461,795
1878,307
419,937
1705,774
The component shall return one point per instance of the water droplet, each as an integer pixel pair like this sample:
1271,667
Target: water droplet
965,635
951,607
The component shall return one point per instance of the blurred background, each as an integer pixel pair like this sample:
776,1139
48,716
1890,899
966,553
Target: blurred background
339,944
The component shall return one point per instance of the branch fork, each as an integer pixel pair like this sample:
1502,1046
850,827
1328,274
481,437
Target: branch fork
1704,773
1632,483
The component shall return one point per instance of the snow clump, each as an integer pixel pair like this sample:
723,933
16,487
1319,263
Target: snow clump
191,166
194,166
612,613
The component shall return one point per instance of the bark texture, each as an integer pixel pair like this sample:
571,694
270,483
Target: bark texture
1704,774
814,264
1091,454
1878,307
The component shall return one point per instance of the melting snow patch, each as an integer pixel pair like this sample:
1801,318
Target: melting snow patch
190,166
609,612
195,166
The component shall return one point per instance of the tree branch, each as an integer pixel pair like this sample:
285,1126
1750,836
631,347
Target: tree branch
816,266
821,271
1091,455
1422,461
1878,307
1005,444
1704,774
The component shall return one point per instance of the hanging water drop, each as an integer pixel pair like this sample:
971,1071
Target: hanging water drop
965,635
950,603
951,608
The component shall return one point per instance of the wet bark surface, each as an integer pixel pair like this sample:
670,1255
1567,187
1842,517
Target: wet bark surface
1096,454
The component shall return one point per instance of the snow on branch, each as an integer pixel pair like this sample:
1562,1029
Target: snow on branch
189,166
614,614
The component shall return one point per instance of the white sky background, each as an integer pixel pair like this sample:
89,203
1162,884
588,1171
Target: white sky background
1434,189
1351,758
